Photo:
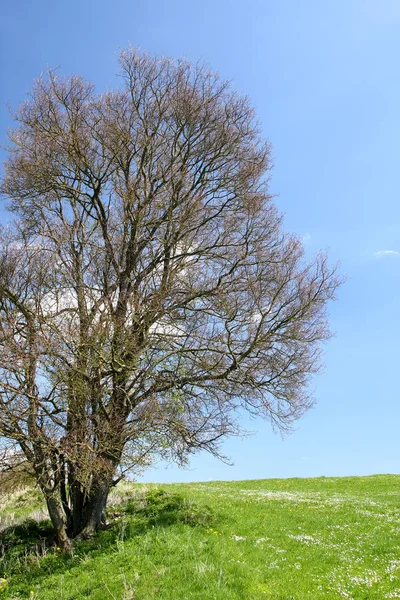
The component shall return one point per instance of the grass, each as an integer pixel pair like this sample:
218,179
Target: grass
294,539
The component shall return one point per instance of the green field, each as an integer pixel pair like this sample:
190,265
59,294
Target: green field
287,539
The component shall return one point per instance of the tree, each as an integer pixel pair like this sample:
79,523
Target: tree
147,290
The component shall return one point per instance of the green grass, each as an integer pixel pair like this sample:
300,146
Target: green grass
288,539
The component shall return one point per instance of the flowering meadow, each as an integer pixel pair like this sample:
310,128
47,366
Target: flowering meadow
292,539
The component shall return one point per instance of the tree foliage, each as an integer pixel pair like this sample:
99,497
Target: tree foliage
147,289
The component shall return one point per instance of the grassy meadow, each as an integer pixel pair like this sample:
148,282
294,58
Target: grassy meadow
288,539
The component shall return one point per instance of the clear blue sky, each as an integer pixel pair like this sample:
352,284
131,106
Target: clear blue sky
325,81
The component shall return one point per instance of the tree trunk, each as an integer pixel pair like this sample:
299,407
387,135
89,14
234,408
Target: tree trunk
77,499
86,513
94,510
57,517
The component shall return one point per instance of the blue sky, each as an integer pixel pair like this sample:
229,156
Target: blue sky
325,82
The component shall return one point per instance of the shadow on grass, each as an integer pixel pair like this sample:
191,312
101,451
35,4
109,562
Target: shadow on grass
28,551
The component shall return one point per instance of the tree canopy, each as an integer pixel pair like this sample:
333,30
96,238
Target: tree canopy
148,292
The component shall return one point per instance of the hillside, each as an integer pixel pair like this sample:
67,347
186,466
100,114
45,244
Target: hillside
288,539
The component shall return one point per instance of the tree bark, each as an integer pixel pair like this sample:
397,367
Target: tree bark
57,517
94,511
86,518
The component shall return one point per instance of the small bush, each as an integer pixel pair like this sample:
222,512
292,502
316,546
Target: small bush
159,507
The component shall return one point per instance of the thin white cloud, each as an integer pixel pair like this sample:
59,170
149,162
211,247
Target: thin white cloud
383,253
306,239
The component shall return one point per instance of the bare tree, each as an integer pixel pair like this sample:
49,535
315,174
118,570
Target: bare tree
147,291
